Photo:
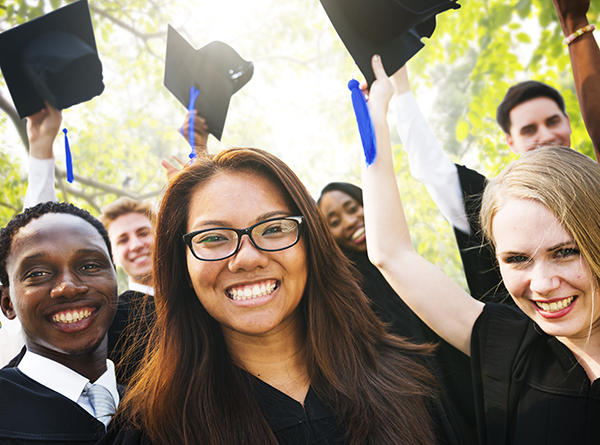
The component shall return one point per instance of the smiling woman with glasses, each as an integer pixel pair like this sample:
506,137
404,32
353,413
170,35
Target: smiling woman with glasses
262,334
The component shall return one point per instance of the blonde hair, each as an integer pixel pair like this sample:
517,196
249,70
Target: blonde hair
565,181
123,206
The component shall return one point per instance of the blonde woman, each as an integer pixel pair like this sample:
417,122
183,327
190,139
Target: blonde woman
536,371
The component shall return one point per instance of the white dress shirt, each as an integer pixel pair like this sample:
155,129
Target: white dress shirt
429,163
141,288
64,380
40,187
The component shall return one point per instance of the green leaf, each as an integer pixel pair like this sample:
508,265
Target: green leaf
462,130
523,37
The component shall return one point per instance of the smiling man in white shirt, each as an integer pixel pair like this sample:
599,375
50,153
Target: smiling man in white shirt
58,277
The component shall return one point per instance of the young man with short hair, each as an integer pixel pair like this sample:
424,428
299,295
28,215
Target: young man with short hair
58,278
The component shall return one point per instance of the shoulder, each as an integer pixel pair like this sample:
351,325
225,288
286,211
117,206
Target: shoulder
471,181
500,329
29,410
123,435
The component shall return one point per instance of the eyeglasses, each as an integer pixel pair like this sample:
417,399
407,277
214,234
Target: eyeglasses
220,243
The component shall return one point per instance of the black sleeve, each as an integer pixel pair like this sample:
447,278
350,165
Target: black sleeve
479,262
500,343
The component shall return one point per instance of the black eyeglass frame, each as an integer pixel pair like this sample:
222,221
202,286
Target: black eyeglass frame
187,238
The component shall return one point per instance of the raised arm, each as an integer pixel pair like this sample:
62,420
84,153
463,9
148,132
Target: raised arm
427,160
42,129
434,297
585,60
200,141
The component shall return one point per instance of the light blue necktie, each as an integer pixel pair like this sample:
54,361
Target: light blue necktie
102,401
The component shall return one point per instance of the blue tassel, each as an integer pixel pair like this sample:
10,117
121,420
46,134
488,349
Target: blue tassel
191,106
363,118
69,159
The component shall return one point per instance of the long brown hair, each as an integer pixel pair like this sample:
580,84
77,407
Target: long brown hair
189,391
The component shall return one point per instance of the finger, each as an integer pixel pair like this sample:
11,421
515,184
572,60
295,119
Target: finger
51,109
199,122
178,160
378,67
170,170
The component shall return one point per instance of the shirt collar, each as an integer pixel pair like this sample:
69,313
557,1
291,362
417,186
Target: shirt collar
142,288
62,379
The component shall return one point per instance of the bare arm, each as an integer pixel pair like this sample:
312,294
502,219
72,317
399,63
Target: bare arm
200,141
434,297
585,60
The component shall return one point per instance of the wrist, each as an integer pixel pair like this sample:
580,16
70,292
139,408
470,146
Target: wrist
378,115
41,150
570,25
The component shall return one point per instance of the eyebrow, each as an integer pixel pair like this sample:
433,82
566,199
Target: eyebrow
526,127
350,201
35,256
220,223
559,245
550,249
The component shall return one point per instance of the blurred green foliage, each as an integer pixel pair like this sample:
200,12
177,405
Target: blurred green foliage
297,105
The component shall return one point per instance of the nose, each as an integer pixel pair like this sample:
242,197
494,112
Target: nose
544,279
136,242
68,286
349,221
545,135
248,257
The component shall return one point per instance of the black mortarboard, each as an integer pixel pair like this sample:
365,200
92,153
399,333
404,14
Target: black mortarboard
391,28
216,70
53,57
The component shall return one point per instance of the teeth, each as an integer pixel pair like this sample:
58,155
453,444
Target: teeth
360,232
71,317
250,293
555,306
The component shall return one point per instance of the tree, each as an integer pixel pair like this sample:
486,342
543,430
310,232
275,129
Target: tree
297,105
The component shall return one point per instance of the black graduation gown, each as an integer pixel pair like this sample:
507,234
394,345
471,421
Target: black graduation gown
127,335
529,387
479,262
32,414
451,367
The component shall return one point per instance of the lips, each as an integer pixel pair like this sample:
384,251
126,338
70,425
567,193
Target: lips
555,308
141,259
252,291
71,320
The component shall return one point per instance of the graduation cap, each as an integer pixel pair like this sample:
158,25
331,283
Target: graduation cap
53,58
391,28
216,70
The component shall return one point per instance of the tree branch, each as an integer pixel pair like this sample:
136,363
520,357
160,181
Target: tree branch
144,36
20,124
60,173
8,206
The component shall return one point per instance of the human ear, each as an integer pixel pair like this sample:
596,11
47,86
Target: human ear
6,304
509,141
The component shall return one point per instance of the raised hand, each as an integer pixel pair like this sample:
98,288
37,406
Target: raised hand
42,128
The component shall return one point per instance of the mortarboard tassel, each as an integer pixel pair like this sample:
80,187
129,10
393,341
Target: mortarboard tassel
191,106
363,118
68,158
